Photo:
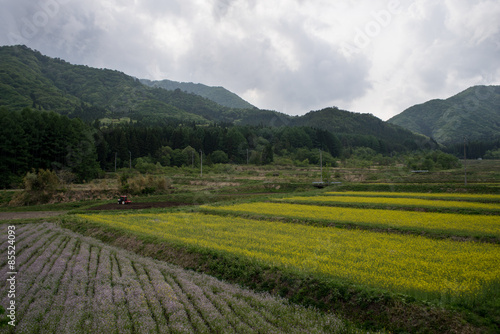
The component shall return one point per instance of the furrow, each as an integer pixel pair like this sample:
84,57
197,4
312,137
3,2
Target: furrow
104,319
173,310
33,273
192,315
135,298
24,258
56,308
207,311
122,314
153,303
42,299
92,264
76,299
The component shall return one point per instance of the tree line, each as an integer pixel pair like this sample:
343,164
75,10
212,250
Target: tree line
31,140
178,144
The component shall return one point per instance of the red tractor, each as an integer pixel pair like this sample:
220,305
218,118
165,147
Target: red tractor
123,200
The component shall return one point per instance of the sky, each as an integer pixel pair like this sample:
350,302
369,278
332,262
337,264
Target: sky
293,56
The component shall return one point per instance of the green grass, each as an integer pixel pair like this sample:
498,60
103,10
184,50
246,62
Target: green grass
369,308
482,198
385,202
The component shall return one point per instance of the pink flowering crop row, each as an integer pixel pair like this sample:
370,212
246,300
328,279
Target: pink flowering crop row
68,283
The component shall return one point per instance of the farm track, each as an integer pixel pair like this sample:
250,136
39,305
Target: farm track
68,283
29,215
137,206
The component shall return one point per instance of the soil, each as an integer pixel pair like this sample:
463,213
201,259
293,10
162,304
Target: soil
155,205
29,215
137,206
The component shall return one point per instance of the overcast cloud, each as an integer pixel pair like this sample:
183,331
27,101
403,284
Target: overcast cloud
293,56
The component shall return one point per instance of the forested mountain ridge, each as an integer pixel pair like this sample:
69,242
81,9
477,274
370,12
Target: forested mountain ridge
219,94
30,79
473,113
366,130
52,114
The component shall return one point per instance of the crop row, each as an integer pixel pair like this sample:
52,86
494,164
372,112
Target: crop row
71,284
432,222
425,268
396,201
440,196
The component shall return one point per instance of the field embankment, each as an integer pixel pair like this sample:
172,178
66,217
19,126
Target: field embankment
67,283
378,279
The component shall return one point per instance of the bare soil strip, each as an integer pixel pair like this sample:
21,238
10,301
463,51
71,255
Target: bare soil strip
29,215
137,206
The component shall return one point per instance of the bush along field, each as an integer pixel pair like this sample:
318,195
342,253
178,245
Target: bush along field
383,269
67,283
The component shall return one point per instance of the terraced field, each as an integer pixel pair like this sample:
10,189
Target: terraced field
385,267
440,196
405,202
449,224
415,265
67,283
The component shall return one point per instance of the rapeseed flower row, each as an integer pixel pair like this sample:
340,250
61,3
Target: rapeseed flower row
442,196
396,201
67,283
449,223
425,268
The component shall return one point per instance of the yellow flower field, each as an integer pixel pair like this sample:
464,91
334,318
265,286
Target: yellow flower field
396,201
470,225
442,196
422,267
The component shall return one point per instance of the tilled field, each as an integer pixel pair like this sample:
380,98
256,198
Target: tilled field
29,215
137,206
67,283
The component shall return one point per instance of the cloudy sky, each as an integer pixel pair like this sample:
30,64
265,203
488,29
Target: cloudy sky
293,56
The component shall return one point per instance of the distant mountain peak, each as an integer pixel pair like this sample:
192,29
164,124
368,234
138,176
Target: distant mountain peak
474,113
218,94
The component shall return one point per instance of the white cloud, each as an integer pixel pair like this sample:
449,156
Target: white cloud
289,55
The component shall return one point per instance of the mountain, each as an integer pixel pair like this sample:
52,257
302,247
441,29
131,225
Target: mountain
474,113
219,95
30,79
357,129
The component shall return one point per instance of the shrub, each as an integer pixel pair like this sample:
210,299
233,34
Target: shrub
43,180
146,184
219,157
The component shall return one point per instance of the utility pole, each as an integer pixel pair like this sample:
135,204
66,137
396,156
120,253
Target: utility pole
247,156
201,163
115,161
465,160
130,161
321,164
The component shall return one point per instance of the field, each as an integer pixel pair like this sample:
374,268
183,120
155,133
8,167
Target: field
71,284
433,223
250,249
389,251
408,202
413,265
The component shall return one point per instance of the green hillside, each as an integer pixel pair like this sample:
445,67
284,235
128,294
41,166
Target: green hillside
474,113
219,95
30,79
356,129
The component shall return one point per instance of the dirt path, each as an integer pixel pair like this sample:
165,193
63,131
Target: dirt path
137,205
29,215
